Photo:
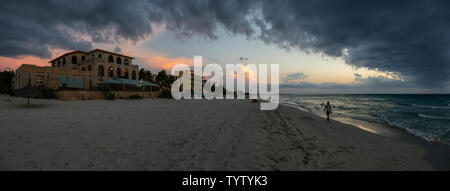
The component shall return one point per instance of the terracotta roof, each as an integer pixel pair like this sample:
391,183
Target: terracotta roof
76,51
83,52
117,54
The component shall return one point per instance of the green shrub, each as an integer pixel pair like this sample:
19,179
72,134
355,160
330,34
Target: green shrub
6,82
110,96
48,93
135,97
166,94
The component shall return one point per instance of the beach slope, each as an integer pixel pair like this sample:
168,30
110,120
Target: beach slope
163,134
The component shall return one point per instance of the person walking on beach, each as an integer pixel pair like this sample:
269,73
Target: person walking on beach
328,110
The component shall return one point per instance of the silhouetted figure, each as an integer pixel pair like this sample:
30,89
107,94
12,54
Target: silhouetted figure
328,110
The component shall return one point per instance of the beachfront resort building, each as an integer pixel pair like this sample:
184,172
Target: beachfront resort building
84,71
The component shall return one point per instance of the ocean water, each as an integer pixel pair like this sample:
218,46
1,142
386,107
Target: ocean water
427,116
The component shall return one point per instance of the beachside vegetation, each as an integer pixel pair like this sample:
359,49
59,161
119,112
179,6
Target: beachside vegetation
135,97
48,93
163,79
6,82
147,75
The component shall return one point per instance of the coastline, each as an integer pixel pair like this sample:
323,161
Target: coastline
162,134
437,153
383,114
376,128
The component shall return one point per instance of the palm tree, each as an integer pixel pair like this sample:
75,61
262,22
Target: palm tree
164,80
146,75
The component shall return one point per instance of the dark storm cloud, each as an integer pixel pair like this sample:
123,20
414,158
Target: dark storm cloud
31,27
203,16
407,37
410,38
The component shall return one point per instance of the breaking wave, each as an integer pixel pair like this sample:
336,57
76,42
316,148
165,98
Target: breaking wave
430,106
433,117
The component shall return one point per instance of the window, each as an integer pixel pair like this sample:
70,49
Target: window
59,63
83,58
119,60
110,59
64,61
111,72
119,72
133,75
74,60
99,55
125,74
101,71
89,68
82,69
126,62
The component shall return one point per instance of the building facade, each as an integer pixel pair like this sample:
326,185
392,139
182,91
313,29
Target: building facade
78,70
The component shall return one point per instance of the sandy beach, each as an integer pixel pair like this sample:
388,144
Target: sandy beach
164,134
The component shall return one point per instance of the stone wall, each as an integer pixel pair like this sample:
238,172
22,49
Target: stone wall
70,95
127,94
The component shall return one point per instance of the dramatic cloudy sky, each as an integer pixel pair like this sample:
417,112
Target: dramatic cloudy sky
322,46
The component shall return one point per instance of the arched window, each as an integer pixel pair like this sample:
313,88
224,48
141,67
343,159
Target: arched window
101,71
119,60
119,72
89,68
126,62
125,74
99,55
110,59
133,75
74,60
111,72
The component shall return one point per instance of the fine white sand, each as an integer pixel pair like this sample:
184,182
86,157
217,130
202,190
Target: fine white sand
163,134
